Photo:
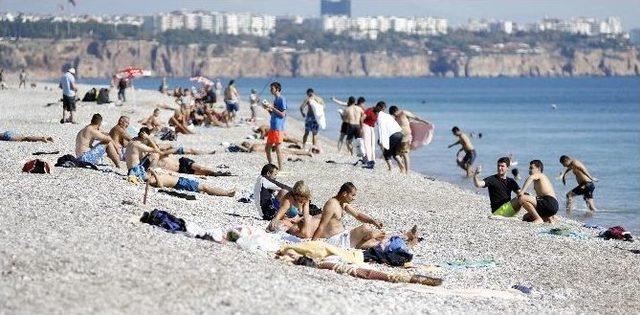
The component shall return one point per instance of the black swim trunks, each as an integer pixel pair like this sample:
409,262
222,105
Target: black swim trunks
344,128
186,166
69,103
586,190
395,143
546,206
353,132
469,158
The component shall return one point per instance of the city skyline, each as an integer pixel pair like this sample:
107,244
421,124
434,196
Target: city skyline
456,11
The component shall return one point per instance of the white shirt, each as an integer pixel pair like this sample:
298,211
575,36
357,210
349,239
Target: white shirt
386,126
66,81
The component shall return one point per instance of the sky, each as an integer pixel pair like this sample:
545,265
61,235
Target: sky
457,11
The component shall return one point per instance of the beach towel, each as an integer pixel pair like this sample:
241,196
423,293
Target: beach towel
318,113
386,126
564,231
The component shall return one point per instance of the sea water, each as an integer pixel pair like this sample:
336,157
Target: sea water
596,120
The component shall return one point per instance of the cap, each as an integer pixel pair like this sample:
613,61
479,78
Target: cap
72,70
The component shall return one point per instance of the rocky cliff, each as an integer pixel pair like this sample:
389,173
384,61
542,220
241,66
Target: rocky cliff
46,58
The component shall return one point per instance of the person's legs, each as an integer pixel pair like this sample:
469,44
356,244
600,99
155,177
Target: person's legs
267,150
364,237
405,160
205,171
590,204
32,139
279,155
341,141
529,203
304,138
216,191
515,203
569,204
314,139
400,164
113,155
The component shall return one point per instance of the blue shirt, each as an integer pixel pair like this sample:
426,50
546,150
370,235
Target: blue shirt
65,82
277,122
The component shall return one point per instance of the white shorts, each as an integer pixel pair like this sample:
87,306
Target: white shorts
342,239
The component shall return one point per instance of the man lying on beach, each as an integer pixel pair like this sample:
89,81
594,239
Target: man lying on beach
188,166
268,193
248,147
87,152
186,184
120,136
331,229
470,153
544,206
12,136
500,187
403,117
153,121
585,182
391,136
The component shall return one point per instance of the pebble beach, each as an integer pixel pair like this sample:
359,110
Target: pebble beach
72,242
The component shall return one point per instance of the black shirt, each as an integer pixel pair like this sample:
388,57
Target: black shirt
500,190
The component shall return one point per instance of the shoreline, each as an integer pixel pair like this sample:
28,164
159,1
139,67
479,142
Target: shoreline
72,245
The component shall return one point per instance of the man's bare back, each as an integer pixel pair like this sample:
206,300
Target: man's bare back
136,149
577,169
465,141
353,114
120,136
542,185
86,137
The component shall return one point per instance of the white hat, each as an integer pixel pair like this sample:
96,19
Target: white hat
72,70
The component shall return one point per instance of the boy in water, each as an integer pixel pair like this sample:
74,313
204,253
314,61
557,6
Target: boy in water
470,152
544,206
585,182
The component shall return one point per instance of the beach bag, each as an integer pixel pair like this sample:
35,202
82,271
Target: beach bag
164,220
90,96
36,166
103,96
617,233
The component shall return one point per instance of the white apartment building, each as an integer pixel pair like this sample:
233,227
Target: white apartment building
370,27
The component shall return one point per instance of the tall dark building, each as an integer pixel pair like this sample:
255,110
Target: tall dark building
335,7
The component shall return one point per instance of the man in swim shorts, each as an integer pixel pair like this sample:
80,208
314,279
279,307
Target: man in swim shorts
390,136
470,152
332,230
188,166
585,182
344,127
278,113
12,136
544,206
500,187
87,152
310,122
120,135
186,184
403,118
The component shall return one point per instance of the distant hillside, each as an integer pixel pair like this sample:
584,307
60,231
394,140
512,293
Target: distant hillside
44,58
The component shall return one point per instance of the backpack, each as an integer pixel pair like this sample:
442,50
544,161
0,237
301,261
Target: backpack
36,166
164,220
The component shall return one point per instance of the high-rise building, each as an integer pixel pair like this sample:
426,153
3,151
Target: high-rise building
335,7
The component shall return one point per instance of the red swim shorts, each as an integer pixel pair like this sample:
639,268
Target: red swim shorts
275,136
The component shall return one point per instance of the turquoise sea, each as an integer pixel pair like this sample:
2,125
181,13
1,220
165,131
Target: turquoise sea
596,120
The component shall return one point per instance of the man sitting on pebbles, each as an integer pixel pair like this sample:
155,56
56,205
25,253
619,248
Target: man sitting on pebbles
120,136
138,167
87,152
500,187
331,229
544,206
12,136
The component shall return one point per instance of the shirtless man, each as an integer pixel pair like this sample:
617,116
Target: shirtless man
89,153
353,116
186,184
188,166
344,127
544,206
248,147
153,121
331,227
585,182
179,119
403,117
139,156
470,153
311,124
120,135
12,136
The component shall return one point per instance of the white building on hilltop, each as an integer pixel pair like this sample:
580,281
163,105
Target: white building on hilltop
370,27
215,22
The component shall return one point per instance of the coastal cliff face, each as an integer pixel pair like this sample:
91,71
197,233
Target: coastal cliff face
46,58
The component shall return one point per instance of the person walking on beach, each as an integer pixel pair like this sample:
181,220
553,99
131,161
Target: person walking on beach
231,99
470,152
368,131
218,89
122,87
253,105
403,117
500,188
23,79
311,124
585,182
390,134
344,127
69,89
278,112
544,206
